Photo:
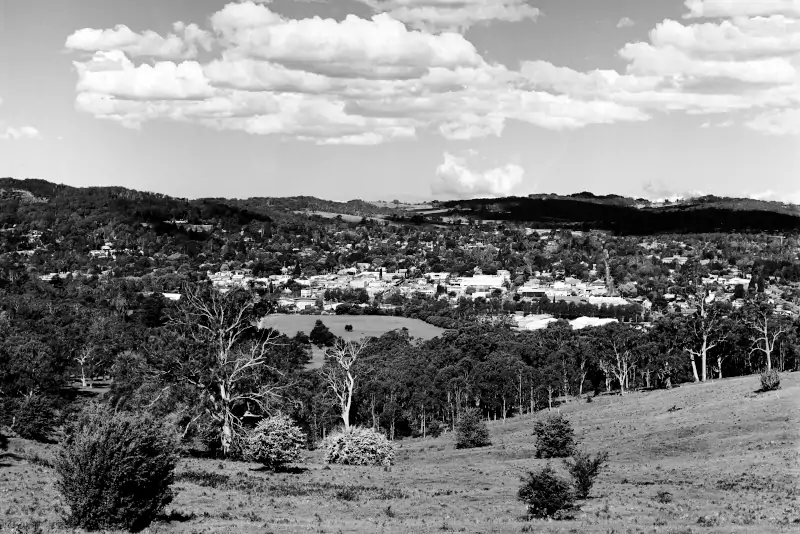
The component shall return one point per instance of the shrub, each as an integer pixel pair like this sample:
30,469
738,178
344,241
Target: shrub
3,442
770,380
275,442
471,430
434,429
34,418
358,446
114,471
584,470
554,437
348,328
545,493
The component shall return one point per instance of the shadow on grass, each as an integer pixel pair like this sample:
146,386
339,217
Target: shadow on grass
289,470
174,516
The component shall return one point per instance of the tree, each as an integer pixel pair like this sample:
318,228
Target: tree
618,350
765,328
704,331
341,374
230,357
321,336
84,358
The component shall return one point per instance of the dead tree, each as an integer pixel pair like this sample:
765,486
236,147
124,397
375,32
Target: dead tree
227,371
340,373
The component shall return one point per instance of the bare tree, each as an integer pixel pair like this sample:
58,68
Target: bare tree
228,375
341,374
83,358
704,332
619,351
765,328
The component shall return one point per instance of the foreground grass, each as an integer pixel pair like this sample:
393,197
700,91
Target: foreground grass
713,457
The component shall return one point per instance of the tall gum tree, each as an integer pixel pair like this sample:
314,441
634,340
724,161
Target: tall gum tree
704,331
229,368
765,327
341,374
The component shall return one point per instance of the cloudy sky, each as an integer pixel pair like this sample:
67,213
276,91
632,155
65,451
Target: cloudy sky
408,99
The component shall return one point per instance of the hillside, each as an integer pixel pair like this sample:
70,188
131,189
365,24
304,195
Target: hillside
49,204
712,457
633,216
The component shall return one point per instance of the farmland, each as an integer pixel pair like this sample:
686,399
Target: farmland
713,457
363,325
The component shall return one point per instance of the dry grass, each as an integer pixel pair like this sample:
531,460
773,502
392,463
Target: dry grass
726,460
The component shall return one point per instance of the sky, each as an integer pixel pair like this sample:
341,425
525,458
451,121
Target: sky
404,99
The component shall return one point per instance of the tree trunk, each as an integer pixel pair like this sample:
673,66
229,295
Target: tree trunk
719,367
549,398
83,377
704,358
694,369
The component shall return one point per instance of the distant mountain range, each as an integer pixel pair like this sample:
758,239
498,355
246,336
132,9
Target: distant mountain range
622,215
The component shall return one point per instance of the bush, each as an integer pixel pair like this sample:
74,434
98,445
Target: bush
114,471
770,380
274,442
3,442
471,430
434,429
358,446
584,470
34,418
554,437
348,328
545,493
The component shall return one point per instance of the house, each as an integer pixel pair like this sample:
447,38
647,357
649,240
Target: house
304,303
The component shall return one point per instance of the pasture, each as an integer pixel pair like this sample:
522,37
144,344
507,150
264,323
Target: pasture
713,457
363,326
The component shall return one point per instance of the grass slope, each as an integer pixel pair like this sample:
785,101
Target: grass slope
724,460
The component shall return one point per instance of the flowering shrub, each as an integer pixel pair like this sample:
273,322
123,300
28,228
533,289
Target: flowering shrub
274,442
770,380
358,446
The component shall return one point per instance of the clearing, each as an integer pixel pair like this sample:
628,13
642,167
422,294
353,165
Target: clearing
713,457
363,326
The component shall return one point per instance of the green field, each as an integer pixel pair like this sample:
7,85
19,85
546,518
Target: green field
363,325
714,457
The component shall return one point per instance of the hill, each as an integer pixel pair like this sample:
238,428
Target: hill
711,457
633,216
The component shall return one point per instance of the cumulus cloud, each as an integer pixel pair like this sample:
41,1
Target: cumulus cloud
658,192
625,22
455,178
454,15
353,81
182,44
373,80
21,133
741,8
779,122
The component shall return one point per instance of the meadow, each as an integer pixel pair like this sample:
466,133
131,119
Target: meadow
712,457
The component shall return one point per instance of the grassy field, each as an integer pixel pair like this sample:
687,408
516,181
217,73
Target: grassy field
712,457
363,326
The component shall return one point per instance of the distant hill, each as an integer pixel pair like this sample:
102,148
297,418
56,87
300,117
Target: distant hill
633,216
310,205
90,207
